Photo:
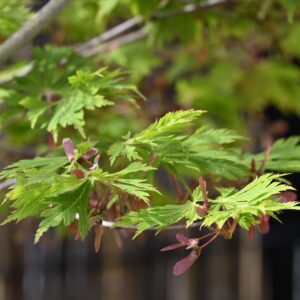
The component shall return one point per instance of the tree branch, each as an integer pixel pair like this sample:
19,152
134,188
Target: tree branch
186,9
94,46
111,33
113,44
112,38
31,28
111,224
7,184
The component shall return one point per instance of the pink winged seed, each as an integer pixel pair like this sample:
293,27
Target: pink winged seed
182,239
183,265
171,247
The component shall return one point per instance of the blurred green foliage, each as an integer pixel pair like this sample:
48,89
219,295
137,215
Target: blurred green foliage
13,13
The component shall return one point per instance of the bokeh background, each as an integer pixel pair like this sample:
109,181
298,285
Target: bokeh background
240,61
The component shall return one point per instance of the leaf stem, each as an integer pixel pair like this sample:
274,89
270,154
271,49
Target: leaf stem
205,236
204,194
210,241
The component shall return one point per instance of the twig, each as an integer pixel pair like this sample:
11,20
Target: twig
111,224
19,72
110,34
115,43
149,163
93,46
210,241
204,194
177,187
265,160
7,184
98,43
188,8
31,28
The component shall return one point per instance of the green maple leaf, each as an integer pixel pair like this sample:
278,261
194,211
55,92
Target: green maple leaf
64,208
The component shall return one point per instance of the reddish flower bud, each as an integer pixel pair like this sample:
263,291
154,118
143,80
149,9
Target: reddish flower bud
288,196
200,211
73,227
68,148
264,226
78,173
251,232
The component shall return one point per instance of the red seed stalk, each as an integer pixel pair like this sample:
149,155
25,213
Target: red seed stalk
206,204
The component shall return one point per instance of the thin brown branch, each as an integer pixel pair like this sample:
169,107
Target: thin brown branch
114,43
204,194
107,41
98,44
177,187
112,224
188,8
210,241
7,184
265,160
110,34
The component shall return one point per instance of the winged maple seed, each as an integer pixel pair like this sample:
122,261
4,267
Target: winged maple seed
184,264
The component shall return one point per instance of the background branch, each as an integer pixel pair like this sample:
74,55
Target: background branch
111,224
110,34
113,44
95,45
31,28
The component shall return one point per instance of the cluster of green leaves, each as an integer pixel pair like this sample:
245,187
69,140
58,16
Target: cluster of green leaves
59,89
173,145
204,54
284,156
13,13
160,217
48,187
257,198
